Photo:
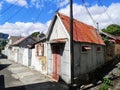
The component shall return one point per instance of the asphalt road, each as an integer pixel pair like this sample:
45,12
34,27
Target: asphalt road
9,82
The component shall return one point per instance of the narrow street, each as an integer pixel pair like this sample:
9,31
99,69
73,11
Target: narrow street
14,76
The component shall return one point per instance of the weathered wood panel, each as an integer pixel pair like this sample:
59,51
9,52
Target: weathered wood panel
89,60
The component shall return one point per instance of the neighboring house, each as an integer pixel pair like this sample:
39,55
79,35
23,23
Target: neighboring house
112,48
111,38
88,49
18,49
11,40
21,51
24,42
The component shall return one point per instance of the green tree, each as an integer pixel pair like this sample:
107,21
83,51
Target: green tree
2,44
113,29
35,34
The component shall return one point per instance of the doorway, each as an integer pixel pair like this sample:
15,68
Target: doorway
56,61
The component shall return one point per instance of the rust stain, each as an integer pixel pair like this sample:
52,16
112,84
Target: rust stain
81,31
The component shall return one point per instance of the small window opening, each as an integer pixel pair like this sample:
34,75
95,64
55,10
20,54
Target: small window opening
85,48
98,49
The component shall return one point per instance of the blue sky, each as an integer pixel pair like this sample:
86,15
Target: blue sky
36,15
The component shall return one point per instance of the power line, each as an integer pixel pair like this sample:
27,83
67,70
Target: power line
41,12
106,11
14,14
9,7
94,22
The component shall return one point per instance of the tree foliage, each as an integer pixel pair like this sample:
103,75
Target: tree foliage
35,34
2,44
113,29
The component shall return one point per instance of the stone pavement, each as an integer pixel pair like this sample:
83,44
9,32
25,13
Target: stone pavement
14,76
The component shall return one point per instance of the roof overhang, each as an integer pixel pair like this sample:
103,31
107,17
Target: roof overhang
58,41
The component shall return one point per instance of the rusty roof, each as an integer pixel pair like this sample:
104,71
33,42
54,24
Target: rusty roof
81,31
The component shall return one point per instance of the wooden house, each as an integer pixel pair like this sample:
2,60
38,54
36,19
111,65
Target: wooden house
88,49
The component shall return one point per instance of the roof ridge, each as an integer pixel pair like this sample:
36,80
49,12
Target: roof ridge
81,28
74,19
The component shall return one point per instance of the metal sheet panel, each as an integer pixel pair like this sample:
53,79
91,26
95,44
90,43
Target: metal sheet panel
82,32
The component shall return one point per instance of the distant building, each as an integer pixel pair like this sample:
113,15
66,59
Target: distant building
24,42
4,36
13,39
112,48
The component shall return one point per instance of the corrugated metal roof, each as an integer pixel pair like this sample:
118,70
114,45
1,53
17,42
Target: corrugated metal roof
22,39
110,36
19,40
81,31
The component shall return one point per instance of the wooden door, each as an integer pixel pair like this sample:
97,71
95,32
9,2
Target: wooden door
56,62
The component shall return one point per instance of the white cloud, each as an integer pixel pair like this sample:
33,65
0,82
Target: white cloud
24,29
41,3
62,3
1,3
37,3
18,2
100,14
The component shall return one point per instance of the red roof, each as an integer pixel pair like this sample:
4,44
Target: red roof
81,31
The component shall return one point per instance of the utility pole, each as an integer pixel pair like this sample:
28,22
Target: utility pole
73,87
97,26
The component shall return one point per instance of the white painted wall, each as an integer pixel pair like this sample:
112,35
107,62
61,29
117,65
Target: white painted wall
36,62
25,57
60,32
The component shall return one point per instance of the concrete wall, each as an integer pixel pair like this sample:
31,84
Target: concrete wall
35,63
13,53
27,57
38,62
19,55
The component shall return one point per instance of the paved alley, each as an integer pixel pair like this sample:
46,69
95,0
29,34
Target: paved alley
14,76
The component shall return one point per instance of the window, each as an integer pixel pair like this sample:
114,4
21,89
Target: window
40,49
98,49
86,48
